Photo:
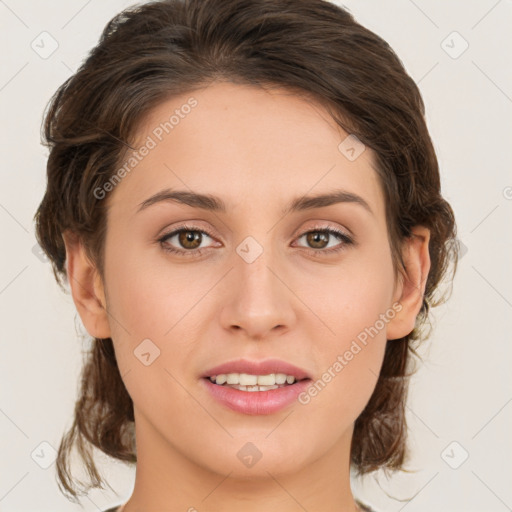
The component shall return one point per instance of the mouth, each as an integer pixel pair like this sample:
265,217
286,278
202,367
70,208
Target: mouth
254,383
255,387
245,372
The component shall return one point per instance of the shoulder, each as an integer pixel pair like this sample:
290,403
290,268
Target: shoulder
364,508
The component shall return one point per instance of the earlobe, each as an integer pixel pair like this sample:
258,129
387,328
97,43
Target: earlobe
86,288
411,289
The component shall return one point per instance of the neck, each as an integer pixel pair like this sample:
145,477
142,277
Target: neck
167,479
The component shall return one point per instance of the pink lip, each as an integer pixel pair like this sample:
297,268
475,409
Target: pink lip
256,402
258,368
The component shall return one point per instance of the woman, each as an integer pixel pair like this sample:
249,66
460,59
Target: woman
245,201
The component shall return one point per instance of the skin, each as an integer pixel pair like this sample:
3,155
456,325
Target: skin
256,149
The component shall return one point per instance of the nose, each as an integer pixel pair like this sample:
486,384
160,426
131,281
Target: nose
259,300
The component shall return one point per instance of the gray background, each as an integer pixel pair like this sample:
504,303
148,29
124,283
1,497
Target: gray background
460,400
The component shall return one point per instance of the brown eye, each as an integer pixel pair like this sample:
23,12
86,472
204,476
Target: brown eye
185,241
190,239
317,239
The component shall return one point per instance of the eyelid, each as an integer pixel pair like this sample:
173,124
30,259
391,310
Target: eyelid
324,225
343,237
190,225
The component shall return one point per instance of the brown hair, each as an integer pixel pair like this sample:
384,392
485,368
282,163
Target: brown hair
150,52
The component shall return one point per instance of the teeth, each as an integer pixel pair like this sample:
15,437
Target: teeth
280,378
221,379
252,381
267,380
253,388
245,379
232,378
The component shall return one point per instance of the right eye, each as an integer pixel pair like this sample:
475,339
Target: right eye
189,237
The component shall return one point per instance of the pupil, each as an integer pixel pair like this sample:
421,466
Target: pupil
316,237
189,237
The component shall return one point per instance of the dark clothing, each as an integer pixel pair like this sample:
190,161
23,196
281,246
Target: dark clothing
365,508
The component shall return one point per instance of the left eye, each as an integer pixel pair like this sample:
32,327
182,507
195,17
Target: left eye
321,237
190,239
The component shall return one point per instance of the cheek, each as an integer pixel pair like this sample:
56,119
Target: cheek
351,298
356,307
154,313
151,318
148,298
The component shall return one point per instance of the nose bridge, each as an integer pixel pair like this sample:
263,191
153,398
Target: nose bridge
256,268
260,301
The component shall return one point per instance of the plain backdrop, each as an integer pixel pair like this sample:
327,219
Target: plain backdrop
459,408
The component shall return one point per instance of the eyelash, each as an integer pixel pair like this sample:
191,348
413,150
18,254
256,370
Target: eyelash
198,252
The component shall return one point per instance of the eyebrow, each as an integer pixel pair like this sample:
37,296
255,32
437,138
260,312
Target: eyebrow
216,204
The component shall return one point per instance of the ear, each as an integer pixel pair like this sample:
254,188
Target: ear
410,289
86,288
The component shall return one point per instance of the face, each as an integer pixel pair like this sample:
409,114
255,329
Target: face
311,286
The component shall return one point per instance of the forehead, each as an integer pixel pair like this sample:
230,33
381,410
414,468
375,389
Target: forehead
244,142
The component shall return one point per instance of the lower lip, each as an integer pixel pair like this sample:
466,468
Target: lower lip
256,402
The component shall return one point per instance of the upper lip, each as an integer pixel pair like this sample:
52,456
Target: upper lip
265,367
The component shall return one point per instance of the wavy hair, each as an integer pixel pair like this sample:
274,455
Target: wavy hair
150,52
